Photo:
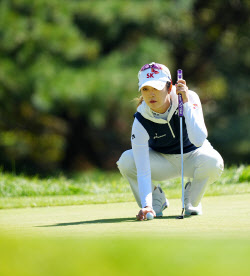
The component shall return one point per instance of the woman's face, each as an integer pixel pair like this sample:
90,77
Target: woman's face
157,100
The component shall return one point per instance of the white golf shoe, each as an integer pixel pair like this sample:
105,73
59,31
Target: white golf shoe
189,209
159,201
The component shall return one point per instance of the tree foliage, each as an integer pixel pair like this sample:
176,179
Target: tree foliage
68,75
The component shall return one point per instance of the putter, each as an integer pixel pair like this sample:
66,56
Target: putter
180,107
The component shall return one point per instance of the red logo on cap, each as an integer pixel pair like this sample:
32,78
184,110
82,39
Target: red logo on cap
154,71
151,75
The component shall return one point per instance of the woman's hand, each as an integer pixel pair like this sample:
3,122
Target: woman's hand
142,215
181,88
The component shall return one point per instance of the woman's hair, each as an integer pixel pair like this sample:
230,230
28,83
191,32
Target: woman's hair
140,99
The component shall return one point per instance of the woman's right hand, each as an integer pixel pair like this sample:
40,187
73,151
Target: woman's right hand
142,215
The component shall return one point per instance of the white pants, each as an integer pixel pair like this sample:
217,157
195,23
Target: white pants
204,165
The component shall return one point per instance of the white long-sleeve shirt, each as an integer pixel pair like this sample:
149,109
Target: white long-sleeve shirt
196,129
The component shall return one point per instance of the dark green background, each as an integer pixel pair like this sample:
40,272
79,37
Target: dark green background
68,75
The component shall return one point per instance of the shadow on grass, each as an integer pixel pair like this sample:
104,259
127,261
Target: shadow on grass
97,221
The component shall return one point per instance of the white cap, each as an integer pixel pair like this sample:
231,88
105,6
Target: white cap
156,78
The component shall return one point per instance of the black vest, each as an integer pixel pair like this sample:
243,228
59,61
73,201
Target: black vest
161,138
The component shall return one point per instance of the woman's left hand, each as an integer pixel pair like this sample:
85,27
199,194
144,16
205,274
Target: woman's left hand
142,215
181,88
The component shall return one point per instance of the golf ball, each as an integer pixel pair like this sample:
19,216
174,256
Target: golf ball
150,216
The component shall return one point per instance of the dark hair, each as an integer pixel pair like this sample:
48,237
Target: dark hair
168,84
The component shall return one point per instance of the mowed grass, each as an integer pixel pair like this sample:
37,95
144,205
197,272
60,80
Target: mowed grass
100,187
222,216
105,239
123,256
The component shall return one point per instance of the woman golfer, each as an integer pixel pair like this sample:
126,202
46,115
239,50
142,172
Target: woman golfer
155,138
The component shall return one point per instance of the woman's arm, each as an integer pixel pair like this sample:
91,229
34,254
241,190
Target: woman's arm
196,128
192,111
139,141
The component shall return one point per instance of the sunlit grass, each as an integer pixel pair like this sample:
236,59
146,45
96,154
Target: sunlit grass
123,256
100,187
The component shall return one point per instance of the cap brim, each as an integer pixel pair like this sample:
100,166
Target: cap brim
159,85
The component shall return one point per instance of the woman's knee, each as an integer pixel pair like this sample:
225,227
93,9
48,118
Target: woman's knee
214,166
126,162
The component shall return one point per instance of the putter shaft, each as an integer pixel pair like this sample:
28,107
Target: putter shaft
180,107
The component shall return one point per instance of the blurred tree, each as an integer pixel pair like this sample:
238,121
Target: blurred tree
223,39
68,74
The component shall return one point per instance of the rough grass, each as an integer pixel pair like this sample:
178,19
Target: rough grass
100,187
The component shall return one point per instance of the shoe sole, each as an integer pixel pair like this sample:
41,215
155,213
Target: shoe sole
193,213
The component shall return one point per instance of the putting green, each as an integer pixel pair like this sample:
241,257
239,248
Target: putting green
105,239
222,216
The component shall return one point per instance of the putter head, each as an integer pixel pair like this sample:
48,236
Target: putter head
182,214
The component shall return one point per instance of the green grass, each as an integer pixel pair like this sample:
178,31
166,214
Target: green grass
223,216
100,187
105,239
43,201
123,256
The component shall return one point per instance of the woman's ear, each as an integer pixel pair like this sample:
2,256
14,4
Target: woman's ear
170,88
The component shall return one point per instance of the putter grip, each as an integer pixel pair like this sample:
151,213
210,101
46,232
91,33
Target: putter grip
180,102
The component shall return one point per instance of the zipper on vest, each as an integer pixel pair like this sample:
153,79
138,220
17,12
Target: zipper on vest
171,129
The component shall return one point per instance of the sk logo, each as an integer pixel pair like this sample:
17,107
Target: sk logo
151,75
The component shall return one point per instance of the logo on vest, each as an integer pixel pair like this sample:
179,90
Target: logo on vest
157,137
133,137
